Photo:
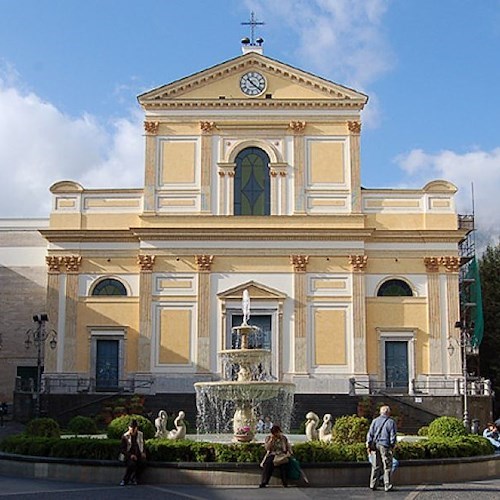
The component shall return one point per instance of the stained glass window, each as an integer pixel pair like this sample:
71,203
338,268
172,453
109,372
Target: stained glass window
395,288
251,183
109,286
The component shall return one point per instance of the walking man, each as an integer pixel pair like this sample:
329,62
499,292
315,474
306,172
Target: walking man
380,442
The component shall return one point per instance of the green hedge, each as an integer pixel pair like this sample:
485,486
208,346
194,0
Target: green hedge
163,450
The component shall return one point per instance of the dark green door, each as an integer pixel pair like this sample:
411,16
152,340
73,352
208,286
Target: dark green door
107,365
396,365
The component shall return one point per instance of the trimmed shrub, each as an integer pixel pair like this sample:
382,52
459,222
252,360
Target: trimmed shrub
446,427
82,448
119,426
43,427
423,431
350,429
82,425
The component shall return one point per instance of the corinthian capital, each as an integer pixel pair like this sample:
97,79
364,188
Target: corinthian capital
431,264
452,264
297,126
146,262
54,263
151,128
358,262
299,263
204,262
354,127
207,127
72,263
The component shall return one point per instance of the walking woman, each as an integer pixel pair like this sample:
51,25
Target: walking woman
278,450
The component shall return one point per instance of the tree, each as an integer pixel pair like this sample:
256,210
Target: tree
489,351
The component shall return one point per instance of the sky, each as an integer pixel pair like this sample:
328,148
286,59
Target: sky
70,72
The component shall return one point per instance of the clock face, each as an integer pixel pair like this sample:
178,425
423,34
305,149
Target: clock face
253,83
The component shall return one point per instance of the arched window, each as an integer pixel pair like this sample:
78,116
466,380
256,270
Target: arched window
109,286
395,288
251,183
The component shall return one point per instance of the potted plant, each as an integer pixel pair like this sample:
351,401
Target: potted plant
244,434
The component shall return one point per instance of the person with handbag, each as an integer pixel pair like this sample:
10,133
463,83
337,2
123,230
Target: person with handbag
132,453
380,442
278,451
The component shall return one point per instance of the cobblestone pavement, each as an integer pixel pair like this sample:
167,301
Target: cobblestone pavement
55,490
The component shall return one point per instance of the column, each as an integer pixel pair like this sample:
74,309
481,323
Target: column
434,317
207,129
146,264
72,264
226,188
299,263
204,263
278,174
452,266
151,130
355,144
358,265
298,129
53,285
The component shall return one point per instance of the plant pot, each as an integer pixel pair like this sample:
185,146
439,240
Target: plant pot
244,438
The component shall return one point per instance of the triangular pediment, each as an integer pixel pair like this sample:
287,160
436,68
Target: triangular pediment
256,291
220,86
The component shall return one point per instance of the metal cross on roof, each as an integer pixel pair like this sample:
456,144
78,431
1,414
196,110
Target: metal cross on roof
252,23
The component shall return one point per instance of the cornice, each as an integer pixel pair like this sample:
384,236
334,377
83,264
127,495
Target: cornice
84,235
421,236
250,234
254,104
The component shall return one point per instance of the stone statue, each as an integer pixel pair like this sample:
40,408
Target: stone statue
245,306
325,431
161,424
312,426
179,431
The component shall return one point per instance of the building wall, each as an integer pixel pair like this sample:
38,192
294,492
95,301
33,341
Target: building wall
23,280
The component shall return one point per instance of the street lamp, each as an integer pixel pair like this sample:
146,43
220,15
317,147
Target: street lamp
464,343
38,336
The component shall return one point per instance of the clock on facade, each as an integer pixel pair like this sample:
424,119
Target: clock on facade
253,83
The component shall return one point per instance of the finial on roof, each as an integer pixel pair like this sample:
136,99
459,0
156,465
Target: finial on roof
252,44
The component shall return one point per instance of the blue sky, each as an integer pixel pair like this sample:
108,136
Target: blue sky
70,72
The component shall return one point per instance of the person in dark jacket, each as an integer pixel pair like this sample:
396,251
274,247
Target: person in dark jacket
380,442
132,448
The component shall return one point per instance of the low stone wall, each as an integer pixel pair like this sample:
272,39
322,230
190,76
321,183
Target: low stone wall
410,472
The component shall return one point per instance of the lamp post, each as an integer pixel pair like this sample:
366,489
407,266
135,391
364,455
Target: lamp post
464,343
37,337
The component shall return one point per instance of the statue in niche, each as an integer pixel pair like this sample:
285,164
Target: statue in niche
161,424
179,430
245,306
312,421
325,431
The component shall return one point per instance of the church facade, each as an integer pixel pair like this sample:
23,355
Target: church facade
252,181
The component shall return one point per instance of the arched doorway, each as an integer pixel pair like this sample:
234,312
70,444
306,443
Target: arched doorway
252,183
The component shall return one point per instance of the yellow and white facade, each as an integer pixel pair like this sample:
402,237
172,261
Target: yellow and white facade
315,258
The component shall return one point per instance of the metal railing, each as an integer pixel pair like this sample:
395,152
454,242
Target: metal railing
76,384
451,387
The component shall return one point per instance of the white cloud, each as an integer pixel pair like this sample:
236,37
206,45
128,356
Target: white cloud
342,40
39,145
480,169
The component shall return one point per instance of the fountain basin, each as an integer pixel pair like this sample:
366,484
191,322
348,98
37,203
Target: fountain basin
253,391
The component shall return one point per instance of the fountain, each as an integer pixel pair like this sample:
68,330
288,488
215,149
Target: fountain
248,389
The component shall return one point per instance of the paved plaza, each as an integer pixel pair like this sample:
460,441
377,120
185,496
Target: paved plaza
55,490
